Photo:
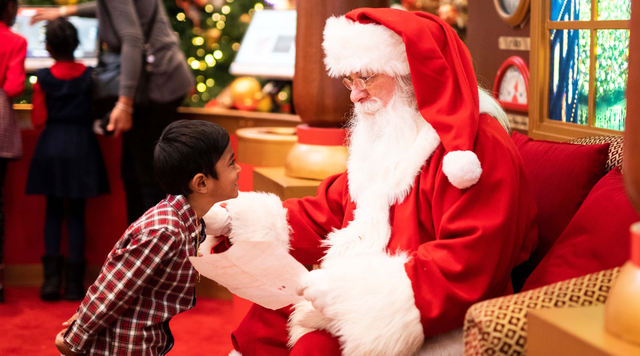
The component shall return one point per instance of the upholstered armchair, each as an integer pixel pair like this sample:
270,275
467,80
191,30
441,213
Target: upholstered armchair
584,238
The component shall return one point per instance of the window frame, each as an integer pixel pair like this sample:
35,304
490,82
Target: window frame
540,126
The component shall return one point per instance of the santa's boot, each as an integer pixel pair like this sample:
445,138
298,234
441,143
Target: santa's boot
74,284
52,265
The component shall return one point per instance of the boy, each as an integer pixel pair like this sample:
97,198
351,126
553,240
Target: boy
147,278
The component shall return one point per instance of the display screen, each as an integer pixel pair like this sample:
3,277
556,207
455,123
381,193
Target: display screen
269,47
37,55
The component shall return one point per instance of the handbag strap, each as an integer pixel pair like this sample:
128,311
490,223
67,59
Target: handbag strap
147,32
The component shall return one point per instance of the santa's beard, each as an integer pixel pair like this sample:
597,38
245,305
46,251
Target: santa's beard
381,136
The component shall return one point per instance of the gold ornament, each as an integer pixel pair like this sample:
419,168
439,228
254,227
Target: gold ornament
245,93
212,36
430,6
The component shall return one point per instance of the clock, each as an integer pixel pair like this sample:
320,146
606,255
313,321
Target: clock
511,87
512,12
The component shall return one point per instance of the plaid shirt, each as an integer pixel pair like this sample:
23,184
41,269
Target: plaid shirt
146,280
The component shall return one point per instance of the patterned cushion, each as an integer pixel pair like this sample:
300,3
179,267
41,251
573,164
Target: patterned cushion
499,326
615,149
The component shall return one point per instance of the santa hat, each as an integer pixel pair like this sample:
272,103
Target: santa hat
397,43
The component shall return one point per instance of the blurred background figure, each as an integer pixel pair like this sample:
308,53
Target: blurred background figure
12,54
67,164
138,29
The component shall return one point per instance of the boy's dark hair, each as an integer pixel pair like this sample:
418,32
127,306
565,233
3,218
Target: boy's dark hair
62,37
186,148
4,4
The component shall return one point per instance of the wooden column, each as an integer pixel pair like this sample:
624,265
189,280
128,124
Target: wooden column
320,100
632,129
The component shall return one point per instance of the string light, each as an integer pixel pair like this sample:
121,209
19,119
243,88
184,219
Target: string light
195,64
200,79
200,52
208,8
217,54
215,17
220,25
33,79
201,87
259,7
225,9
180,16
210,82
197,41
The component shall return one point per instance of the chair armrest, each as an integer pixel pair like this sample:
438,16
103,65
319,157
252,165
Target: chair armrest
499,326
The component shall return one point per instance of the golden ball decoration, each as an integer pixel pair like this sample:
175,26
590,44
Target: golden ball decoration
448,13
430,6
212,36
265,104
246,93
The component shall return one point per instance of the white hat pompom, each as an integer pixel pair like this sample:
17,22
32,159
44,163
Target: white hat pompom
462,168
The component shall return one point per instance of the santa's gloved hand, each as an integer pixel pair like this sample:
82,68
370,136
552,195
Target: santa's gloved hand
206,245
217,220
316,288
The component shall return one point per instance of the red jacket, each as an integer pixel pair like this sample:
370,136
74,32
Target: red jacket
12,54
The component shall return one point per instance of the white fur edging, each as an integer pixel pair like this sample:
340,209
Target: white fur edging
372,307
353,47
258,217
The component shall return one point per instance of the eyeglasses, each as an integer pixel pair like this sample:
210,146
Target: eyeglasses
358,83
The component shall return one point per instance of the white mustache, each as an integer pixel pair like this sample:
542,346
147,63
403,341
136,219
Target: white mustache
369,107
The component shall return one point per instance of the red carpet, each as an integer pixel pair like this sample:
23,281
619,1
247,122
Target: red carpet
28,326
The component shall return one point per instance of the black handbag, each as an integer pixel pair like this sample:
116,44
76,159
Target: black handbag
106,77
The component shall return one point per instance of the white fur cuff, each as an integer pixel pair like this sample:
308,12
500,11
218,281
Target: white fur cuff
258,217
372,307
462,168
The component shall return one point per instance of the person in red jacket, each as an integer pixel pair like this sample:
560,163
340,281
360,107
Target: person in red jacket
12,53
431,216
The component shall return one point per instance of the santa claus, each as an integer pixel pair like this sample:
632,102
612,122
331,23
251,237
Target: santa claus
431,216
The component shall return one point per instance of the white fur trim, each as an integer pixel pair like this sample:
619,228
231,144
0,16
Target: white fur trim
372,309
258,217
450,343
462,168
234,353
352,47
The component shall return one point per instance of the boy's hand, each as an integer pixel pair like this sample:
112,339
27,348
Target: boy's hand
67,323
60,345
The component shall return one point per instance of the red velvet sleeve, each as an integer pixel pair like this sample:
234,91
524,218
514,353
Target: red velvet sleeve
39,110
14,84
312,218
481,234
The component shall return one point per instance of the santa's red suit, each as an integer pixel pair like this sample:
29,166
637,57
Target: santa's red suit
407,252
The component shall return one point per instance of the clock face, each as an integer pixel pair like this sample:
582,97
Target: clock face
509,6
513,88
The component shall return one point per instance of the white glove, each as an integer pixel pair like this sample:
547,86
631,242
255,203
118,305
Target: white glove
316,288
217,220
207,245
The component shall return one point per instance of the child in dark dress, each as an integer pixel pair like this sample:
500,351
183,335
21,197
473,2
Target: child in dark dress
67,165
